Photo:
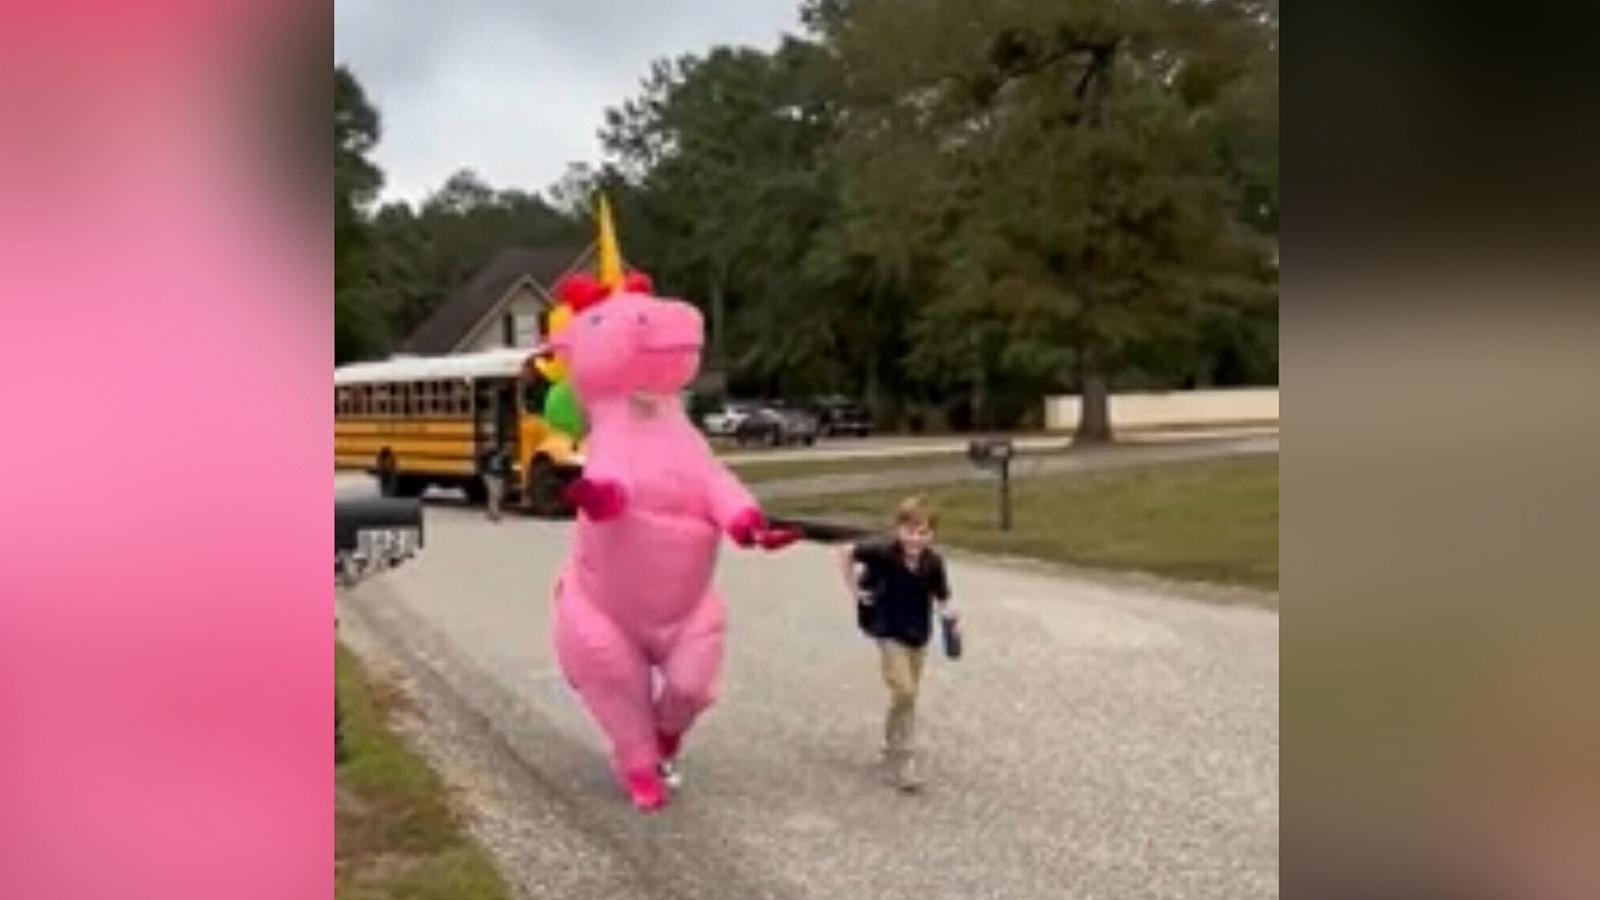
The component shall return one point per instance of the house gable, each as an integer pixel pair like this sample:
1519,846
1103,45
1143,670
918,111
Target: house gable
513,282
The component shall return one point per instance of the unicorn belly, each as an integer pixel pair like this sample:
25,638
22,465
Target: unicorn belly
645,567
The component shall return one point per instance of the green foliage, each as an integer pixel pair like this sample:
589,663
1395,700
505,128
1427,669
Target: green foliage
395,264
356,181
944,205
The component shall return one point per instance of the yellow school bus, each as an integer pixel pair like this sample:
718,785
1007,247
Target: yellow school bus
420,422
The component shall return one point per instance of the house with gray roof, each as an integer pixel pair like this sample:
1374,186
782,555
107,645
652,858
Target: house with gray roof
501,305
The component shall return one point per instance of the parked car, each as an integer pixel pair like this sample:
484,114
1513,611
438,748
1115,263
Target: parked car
776,425
723,420
842,416
801,426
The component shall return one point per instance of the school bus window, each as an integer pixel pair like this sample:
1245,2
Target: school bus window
380,400
364,400
463,397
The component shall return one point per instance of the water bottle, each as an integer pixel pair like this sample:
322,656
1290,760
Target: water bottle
952,637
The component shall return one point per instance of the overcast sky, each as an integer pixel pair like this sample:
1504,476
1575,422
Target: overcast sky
516,88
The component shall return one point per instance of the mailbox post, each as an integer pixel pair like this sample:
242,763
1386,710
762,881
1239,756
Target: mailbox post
370,535
995,454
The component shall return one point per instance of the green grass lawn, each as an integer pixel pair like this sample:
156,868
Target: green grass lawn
776,470
1208,521
395,836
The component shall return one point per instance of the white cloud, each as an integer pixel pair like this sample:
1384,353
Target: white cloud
516,90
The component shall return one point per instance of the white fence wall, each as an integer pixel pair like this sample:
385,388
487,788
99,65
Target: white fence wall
1156,409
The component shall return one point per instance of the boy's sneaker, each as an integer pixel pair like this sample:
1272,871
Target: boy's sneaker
902,773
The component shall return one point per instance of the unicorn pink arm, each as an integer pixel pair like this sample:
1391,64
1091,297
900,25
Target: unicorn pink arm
735,511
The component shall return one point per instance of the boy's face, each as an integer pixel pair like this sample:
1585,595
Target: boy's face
914,537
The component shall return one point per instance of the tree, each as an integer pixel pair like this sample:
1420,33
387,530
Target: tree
722,157
1038,159
358,328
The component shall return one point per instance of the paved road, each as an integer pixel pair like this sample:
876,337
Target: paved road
895,445
1097,742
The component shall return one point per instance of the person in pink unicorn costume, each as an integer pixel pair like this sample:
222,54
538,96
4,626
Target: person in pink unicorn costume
638,625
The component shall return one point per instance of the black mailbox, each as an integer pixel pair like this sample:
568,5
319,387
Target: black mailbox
990,452
996,454
370,534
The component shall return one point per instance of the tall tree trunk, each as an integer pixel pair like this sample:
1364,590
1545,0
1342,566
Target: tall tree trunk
1094,408
1094,414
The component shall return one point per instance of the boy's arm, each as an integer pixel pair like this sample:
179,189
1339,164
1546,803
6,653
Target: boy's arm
847,569
941,593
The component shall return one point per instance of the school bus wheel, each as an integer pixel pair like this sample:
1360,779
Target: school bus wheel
544,488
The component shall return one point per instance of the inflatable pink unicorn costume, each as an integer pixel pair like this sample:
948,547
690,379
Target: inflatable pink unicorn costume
634,604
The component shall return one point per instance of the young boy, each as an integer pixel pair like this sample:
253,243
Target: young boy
494,463
898,583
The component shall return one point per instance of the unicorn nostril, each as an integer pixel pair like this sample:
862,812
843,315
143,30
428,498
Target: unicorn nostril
641,319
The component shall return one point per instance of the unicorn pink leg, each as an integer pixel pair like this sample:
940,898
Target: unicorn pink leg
689,674
612,678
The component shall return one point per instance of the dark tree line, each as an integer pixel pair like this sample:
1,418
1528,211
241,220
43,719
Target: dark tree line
947,207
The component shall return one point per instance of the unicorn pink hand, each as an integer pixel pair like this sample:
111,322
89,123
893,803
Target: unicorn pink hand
747,526
777,538
599,498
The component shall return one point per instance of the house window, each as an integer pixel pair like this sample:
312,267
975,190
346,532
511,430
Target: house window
508,329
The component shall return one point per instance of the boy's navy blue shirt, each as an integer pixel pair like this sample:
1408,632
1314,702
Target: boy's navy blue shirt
902,597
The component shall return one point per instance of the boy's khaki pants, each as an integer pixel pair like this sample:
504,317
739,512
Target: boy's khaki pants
902,672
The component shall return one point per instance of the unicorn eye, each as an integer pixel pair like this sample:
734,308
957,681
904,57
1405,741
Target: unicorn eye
595,319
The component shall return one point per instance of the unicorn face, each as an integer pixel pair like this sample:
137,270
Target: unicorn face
629,343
